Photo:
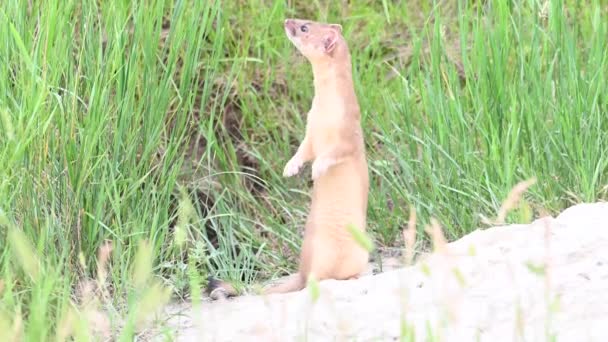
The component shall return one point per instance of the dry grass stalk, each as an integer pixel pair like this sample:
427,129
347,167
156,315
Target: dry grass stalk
409,236
90,303
103,255
437,237
66,325
17,328
510,202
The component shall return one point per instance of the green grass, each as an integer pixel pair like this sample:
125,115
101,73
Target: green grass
108,132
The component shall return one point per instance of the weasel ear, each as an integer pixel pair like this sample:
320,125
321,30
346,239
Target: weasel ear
337,27
329,41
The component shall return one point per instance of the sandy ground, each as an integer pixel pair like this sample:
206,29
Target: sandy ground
491,285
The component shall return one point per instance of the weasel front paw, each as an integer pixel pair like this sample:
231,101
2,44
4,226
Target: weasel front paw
293,167
320,166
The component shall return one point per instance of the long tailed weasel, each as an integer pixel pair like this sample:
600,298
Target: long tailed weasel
334,143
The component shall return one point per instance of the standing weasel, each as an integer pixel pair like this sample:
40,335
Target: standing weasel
334,143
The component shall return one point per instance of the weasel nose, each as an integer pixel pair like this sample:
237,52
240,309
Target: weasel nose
290,25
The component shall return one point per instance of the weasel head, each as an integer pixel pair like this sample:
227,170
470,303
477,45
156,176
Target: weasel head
316,41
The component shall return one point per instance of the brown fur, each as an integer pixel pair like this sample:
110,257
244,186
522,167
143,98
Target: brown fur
334,143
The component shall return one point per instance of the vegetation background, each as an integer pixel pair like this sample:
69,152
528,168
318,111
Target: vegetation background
142,142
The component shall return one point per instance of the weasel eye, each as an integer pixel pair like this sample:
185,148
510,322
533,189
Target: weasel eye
304,28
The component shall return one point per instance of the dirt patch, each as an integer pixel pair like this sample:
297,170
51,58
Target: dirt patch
507,282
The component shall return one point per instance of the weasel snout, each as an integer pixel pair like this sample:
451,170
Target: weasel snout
290,26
